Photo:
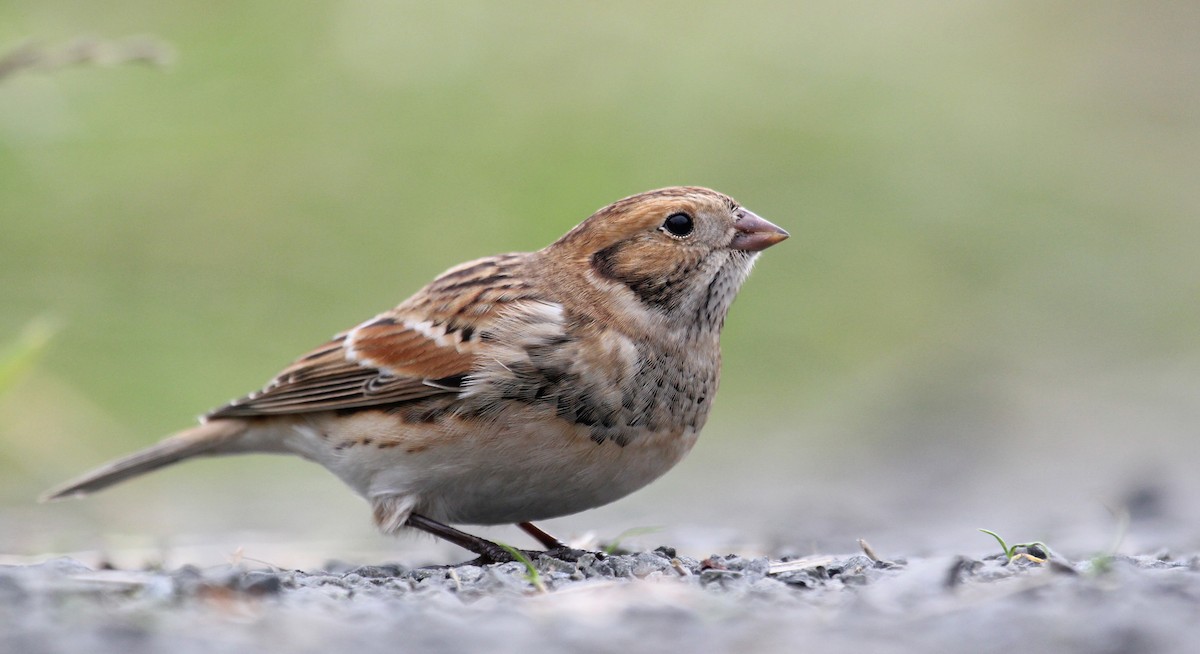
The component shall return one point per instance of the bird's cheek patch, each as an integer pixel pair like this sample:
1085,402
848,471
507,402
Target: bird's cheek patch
658,283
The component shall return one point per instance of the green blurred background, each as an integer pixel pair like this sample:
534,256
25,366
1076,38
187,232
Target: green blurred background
987,315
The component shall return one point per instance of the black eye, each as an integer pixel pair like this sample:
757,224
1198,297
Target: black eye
679,225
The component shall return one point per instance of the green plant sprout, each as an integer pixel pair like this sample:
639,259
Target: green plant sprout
531,572
1010,552
1102,563
19,356
615,543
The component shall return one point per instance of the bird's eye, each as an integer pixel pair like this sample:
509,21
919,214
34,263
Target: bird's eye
679,225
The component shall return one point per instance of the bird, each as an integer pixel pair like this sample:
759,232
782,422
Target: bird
513,388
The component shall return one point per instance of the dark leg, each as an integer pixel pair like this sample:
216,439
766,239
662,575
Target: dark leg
555,548
549,542
488,551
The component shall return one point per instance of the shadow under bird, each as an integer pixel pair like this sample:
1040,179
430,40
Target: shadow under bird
513,388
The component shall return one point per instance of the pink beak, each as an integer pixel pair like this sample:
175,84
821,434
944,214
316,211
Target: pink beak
754,233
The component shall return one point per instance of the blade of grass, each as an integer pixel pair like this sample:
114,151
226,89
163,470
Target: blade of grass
20,356
1003,545
1102,563
531,572
611,548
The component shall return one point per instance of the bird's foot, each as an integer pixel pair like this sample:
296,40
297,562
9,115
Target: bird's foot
570,554
498,554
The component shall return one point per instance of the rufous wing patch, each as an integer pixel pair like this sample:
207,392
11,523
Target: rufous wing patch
403,350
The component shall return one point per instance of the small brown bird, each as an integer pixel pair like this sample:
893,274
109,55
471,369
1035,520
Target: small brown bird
512,388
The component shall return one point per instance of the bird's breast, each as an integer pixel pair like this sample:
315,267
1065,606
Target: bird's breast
613,386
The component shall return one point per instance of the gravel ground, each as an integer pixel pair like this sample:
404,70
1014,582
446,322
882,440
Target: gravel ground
645,601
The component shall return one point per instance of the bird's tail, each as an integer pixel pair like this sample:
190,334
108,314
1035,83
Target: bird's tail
211,437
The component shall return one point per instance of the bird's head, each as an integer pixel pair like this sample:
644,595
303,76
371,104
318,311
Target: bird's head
677,254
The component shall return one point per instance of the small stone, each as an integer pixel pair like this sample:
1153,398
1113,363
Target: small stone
379,571
615,566
63,565
855,579
852,565
667,553
647,563
469,574
259,582
548,564
720,577
962,568
421,574
1035,550
798,579
752,566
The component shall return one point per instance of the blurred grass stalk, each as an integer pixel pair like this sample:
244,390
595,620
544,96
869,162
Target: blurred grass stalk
18,357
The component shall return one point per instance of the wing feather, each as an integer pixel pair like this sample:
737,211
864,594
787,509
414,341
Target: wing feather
426,347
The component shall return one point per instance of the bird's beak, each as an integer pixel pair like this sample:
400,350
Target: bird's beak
754,233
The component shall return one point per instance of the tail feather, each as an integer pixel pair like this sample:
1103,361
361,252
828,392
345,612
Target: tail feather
207,438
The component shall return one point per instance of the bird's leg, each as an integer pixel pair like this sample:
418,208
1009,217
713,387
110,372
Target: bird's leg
555,548
488,551
549,542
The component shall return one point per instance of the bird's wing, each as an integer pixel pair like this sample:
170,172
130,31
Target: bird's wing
427,346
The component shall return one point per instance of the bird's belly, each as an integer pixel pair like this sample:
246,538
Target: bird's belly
474,472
